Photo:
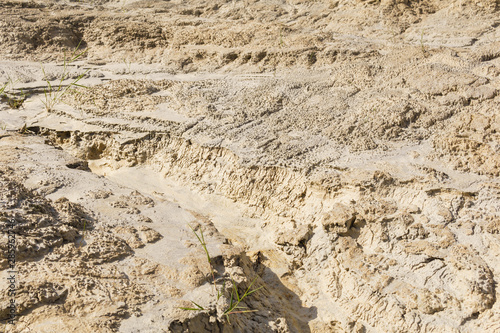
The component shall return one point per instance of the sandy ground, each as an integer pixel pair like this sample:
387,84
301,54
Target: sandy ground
344,156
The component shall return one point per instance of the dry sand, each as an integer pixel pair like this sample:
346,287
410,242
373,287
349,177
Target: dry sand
344,154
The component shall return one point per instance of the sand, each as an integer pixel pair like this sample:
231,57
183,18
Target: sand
344,156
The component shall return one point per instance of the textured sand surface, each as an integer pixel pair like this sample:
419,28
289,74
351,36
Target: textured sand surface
343,154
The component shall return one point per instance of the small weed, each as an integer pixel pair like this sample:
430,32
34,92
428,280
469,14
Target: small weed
83,234
281,43
3,95
312,58
16,103
235,299
128,64
55,93
201,239
424,51
14,100
234,306
23,130
2,89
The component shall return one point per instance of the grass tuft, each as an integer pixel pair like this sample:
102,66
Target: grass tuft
235,298
55,93
8,93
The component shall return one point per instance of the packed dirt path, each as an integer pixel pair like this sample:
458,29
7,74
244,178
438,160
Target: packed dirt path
343,156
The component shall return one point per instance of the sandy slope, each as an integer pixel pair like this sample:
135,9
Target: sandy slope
345,154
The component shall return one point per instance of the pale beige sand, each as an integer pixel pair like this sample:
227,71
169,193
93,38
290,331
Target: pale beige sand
346,154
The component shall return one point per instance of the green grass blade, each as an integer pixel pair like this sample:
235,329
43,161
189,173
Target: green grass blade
202,242
3,89
236,291
75,57
220,293
190,227
74,83
244,311
251,292
199,306
231,302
